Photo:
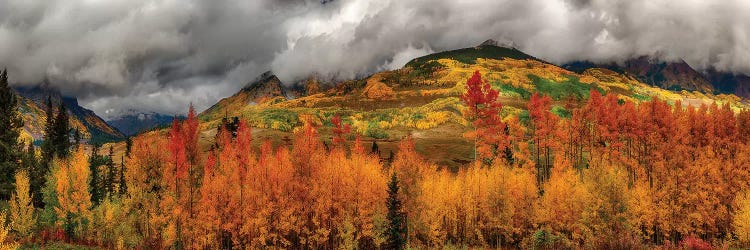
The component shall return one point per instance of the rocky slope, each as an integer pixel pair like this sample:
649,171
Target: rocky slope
33,106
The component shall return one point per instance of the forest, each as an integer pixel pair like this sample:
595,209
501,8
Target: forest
611,174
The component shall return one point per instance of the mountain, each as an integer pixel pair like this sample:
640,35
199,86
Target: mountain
422,99
677,75
266,87
135,123
33,106
730,83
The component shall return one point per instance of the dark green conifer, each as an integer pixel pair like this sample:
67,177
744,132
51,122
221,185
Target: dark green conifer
395,233
10,128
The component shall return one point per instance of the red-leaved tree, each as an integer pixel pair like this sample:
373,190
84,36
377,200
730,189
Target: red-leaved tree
483,110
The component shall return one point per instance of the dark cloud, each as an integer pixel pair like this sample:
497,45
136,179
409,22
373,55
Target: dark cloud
159,55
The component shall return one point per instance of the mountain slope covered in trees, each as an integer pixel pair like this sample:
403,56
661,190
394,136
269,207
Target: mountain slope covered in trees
421,98
33,108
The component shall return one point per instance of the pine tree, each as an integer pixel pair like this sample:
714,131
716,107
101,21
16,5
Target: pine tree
61,132
110,179
39,173
95,181
396,230
10,125
48,150
22,218
128,145
123,186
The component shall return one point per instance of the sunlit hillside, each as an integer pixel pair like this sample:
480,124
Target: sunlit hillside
422,99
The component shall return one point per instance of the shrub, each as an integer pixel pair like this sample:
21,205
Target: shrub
374,131
543,239
561,112
281,119
694,243
559,90
510,90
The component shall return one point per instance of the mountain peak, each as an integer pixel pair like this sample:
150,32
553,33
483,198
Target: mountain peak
264,86
496,43
491,42
266,77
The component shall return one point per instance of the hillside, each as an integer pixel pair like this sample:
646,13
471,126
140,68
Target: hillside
422,99
33,107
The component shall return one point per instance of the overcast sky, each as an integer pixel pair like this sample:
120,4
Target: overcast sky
120,56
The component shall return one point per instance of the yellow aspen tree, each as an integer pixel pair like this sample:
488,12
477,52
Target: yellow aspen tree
72,192
145,187
22,218
5,243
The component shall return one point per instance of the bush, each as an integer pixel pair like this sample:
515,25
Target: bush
510,90
543,239
561,112
281,119
374,131
559,90
694,243
640,97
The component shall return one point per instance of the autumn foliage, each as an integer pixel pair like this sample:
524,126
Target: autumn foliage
614,174
483,108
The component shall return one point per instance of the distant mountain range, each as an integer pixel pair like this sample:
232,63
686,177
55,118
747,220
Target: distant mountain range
676,75
136,123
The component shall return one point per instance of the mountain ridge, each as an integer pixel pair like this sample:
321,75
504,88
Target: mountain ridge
673,75
133,124
33,107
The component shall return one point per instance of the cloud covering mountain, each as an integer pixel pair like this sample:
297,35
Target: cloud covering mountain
160,55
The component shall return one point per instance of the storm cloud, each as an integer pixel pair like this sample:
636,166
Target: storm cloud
122,56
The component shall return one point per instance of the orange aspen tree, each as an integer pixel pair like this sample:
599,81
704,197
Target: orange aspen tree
181,179
544,124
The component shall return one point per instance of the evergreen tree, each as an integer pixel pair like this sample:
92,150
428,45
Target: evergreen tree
128,145
39,172
110,179
123,187
10,125
48,150
395,238
61,132
95,181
